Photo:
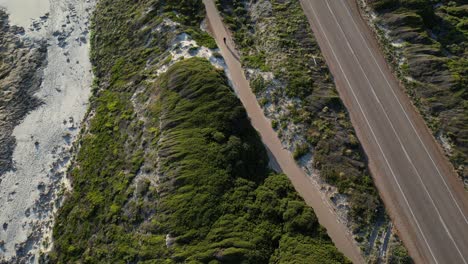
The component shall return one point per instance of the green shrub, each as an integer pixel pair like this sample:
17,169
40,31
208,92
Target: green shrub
300,151
202,38
258,85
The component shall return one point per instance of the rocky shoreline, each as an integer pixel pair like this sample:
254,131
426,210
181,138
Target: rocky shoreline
47,79
20,77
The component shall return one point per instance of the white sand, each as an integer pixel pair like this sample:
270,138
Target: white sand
184,47
22,12
45,135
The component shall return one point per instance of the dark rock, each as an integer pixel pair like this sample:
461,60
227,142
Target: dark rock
41,187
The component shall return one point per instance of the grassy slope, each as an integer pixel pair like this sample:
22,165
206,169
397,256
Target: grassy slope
435,41
213,194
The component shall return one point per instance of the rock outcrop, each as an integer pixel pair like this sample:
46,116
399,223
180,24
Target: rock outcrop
20,77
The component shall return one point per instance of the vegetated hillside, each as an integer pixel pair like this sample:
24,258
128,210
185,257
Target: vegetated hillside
293,84
427,42
169,168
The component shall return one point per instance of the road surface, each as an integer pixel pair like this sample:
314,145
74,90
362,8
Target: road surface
417,183
304,186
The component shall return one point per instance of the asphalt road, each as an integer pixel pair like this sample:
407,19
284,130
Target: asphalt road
281,158
425,199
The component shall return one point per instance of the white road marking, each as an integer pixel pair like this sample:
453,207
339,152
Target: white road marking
406,115
396,134
375,137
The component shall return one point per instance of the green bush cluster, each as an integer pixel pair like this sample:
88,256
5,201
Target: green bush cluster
208,196
222,205
301,150
202,38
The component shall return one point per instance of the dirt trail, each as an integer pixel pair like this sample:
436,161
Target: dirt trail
304,185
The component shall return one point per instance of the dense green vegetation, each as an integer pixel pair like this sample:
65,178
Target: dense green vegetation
169,168
435,37
221,204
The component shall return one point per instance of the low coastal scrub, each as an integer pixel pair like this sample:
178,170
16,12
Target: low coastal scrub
426,41
169,168
222,204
